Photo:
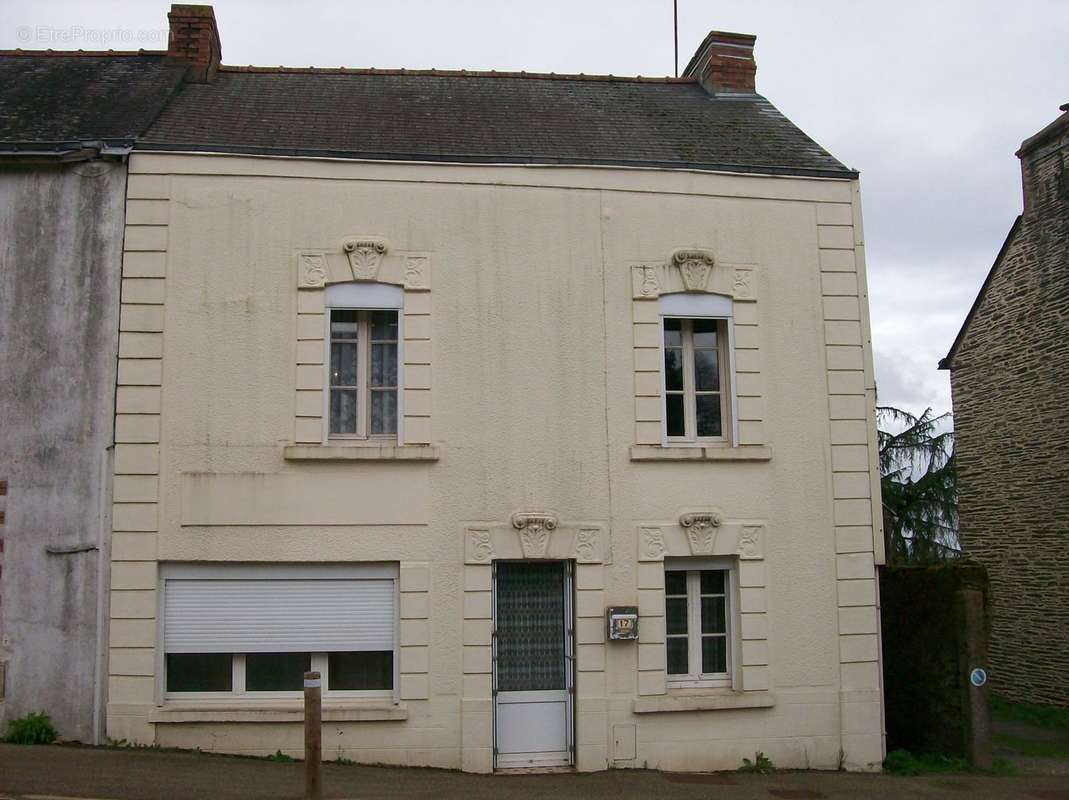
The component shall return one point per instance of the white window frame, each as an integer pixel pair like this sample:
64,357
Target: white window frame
319,661
689,307
363,298
695,679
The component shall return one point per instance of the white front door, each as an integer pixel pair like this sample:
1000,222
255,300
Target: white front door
533,664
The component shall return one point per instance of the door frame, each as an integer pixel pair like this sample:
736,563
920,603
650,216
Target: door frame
568,566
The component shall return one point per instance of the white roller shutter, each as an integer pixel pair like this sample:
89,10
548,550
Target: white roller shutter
278,614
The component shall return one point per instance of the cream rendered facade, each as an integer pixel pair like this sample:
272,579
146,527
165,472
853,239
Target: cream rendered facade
531,385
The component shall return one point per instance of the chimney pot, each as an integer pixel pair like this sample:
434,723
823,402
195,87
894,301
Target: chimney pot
194,37
724,63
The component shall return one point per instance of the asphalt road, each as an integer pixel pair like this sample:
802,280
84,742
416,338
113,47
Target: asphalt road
86,772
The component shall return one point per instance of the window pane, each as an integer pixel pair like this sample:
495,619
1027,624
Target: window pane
713,620
383,325
675,582
360,671
676,611
674,412
673,369
343,363
199,672
714,654
709,415
704,333
673,336
384,412
384,365
677,656
706,370
276,672
343,410
343,324
712,581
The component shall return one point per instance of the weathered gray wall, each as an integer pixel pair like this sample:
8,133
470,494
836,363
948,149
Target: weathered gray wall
1010,381
60,254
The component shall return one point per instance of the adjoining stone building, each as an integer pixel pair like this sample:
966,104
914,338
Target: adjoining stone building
1009,374
68,121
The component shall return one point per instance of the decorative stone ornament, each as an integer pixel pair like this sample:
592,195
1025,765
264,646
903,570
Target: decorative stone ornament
534,528
365,256
653,546
586,543
482,550
701,528
750,542
694,268
311,271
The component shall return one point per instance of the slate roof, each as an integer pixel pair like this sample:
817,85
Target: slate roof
485,117
54,100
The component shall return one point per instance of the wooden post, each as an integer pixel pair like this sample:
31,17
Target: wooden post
313,736
972,654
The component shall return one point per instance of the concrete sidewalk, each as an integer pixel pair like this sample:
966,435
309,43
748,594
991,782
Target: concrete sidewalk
86,772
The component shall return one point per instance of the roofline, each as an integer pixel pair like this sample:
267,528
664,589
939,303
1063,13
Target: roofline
1048,132
432,73
60,152
356,155
87,53
947,362
451,73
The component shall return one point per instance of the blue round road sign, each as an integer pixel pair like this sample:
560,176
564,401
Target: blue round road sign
978,677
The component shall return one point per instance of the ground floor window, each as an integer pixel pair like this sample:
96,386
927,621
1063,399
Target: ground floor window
255,630
698,624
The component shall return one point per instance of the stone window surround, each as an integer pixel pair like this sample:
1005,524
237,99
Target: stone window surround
703,533
368,260
696,272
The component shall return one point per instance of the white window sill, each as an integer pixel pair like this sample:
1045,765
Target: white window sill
702,700
360,452
282,712
746,452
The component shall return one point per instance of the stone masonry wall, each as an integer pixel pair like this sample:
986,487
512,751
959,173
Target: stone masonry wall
1010,381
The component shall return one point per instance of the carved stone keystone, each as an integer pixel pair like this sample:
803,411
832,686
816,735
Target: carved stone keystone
534,528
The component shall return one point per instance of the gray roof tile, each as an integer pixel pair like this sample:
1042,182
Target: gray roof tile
486,117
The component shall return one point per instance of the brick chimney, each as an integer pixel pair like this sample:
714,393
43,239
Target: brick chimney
724,63
194,37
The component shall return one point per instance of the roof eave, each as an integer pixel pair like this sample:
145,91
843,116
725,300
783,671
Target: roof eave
450,158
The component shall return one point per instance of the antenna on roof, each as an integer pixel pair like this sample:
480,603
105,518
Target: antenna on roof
675,28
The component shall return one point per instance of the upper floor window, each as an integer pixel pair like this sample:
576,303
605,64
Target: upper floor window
363,363
363,372
695,394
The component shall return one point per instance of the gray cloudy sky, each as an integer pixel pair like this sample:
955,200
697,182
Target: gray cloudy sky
929,100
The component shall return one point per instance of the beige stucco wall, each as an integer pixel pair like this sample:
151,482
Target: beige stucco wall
526,365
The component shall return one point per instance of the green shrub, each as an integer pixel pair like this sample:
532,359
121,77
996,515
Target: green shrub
761,765
31,729
280,757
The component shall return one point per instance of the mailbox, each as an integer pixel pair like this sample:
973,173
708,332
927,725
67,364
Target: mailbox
622,622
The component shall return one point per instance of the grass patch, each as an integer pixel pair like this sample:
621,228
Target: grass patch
1031,747
903,762
281,758
1041,716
